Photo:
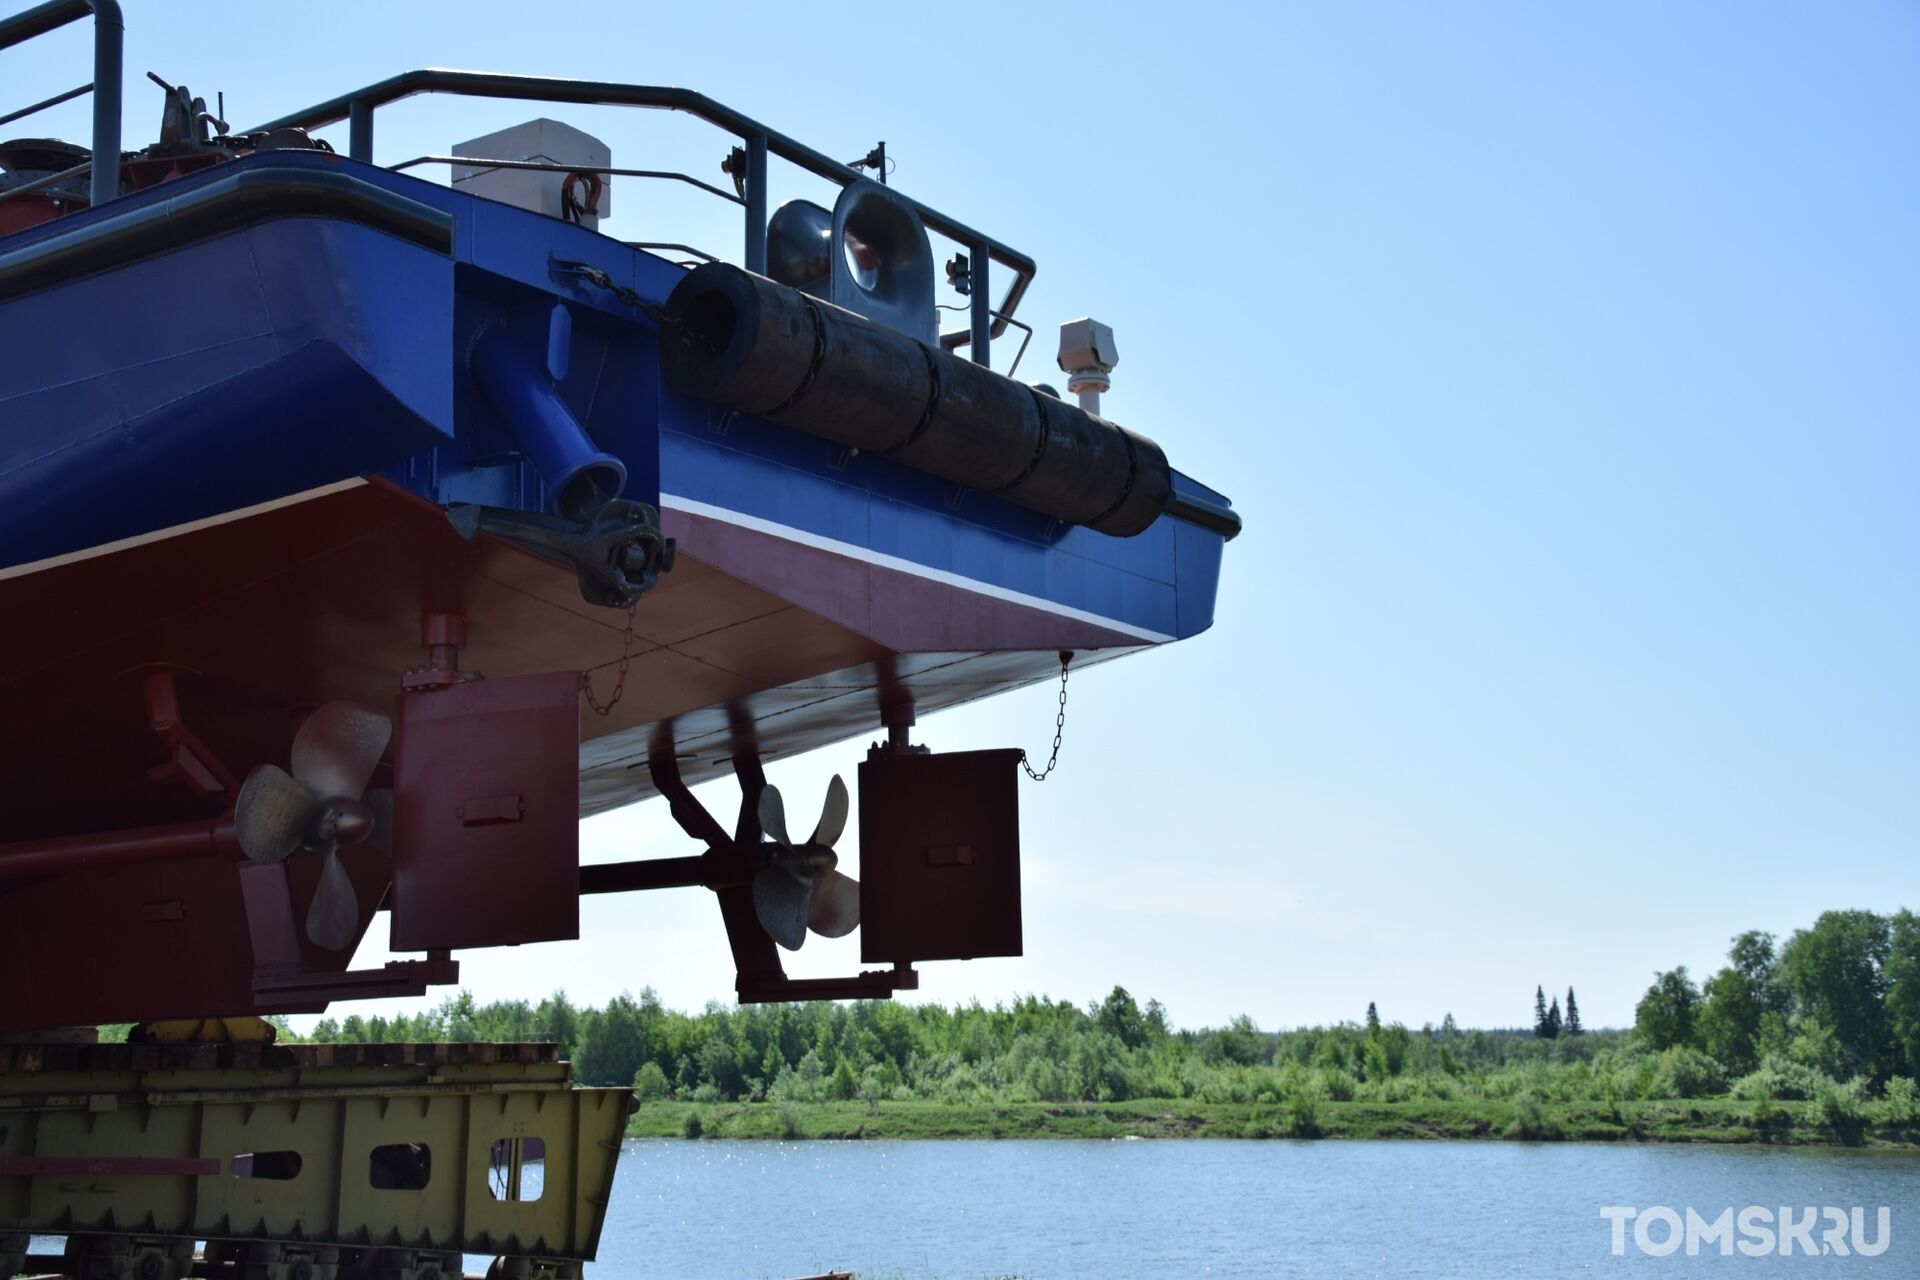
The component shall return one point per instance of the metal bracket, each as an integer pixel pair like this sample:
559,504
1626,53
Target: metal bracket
870,984
281,978
727,867
619,553
189,762
306,990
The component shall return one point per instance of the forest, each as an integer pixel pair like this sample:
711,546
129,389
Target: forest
1816,1038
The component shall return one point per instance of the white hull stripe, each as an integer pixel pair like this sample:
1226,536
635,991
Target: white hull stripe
175,531
866,555
691,506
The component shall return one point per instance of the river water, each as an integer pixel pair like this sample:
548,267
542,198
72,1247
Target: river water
740,1210
959,1210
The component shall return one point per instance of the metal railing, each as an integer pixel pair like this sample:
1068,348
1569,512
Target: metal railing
480,164
109,32
540,166
986,320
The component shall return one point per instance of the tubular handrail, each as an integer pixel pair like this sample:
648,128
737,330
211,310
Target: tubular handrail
44,103
357,109
50,180
482,162
109,38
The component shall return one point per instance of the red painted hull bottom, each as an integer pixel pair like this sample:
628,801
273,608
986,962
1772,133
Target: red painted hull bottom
751,642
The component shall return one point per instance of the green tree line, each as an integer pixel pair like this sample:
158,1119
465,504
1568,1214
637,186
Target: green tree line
1831,1019
1835,1006
1032,1049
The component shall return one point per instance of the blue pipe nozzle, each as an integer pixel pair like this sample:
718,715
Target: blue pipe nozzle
580,478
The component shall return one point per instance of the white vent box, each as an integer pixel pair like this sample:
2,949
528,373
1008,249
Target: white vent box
538,142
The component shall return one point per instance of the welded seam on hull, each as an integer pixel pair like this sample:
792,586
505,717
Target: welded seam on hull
175,531
866,555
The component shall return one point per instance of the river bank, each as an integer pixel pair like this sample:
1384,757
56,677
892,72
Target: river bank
1716,1120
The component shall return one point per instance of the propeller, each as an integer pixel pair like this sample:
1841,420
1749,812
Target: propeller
800,889
322,804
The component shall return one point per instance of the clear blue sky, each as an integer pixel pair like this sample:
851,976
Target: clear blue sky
1562,364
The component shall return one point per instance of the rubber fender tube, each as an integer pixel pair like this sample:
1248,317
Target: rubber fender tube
1148,494
1084,469
984,432
738,340
761,348
872,388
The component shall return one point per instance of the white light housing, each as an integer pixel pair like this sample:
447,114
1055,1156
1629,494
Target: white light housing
1087,356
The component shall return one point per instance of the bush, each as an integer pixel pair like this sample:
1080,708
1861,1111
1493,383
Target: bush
1641,1076
804,1083
1303,1116
789,1120
1781,1079
1688,1073
1816,1045
1768,1120
691,1126
1530,1122
1046,1082
1900,1104
650,1082
1841,1109
844,1085
1336,1084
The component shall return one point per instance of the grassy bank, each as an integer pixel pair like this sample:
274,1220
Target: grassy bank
1702,1120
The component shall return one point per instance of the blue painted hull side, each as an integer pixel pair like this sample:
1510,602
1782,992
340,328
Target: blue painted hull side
259,364
303,350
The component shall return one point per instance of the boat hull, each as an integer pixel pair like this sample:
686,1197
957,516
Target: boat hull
236,411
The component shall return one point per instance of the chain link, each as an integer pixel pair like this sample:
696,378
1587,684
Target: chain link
600,279
1059,728
620,681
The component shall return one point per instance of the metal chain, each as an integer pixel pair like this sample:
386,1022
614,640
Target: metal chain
1059,727
620,681
600,279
